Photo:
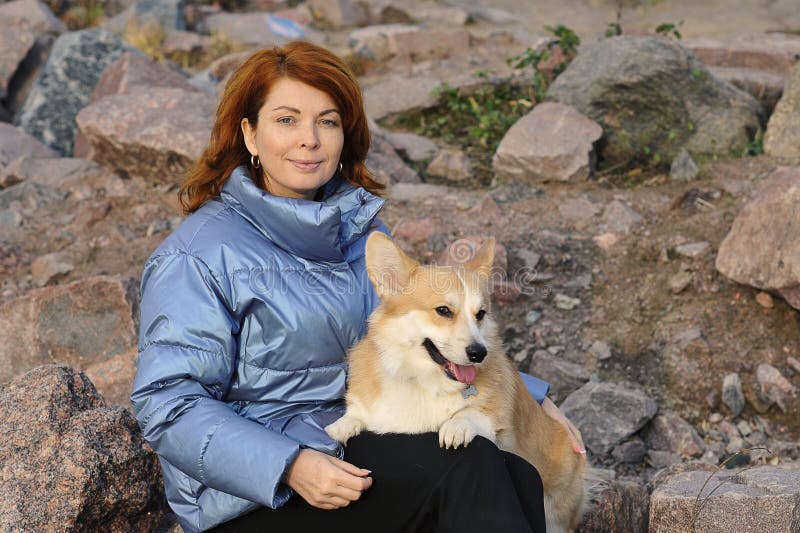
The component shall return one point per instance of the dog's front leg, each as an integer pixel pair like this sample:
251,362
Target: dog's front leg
346,427
465,425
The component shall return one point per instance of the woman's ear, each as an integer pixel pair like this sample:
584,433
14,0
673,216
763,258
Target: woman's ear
249,134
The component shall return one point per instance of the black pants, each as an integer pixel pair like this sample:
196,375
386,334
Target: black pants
419,487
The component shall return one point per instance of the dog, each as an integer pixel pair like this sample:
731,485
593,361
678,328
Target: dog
432,361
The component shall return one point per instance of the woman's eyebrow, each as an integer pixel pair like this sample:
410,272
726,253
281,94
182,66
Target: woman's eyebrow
298,112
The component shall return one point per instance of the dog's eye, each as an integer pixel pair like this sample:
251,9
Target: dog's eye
480,314
444,311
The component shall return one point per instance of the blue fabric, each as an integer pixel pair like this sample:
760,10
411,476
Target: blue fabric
247,311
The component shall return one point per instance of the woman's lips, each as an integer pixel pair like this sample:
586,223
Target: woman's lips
306,165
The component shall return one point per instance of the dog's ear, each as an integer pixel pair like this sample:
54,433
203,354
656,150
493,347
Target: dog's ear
388,267
481,263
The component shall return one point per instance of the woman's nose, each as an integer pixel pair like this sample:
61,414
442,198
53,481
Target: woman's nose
309,137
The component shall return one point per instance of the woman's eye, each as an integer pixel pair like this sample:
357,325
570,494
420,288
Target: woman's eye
286,120
330,122
480,314
444,311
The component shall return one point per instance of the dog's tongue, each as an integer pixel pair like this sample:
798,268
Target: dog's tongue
463,373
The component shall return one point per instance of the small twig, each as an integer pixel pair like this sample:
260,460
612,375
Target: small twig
703,203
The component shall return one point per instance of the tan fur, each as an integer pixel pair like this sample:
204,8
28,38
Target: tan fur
395,386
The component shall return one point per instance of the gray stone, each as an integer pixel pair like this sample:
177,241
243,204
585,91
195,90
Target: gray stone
439,15
683,167
451,165
770,52
553,142
693,250
413,43
757,251
766,87
134,69
35,13
620,507
671,433
28,197
659,459
65,85
395,95
10,218
630,452
607,413
782,138
416,147
732,395
15,41
168,14
601,350
152,133
80,178
532,317
670,100
385,163
252,29
567,303
339,13
680,281
774,388
69,463
47,267
16,143
564,376
763,498
79,324
620,218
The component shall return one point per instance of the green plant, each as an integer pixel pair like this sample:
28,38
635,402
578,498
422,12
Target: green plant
549,61
84,14
147,36
668,29
613,29
754,147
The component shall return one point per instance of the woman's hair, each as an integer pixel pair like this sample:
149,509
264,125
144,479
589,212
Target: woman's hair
244,95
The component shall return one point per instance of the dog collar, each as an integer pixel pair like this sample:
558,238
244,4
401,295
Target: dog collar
469,391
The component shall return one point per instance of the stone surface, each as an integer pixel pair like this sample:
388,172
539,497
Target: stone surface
757,251
69,463
397,94
415,147
680,281
669,432
47,267
553,142
79,178
683,167
693,250
659,459
670,100
772,52
16,38
153,133
251,29
339,13
620,218
168,14
564,376
630,452
773,386
620,507
782,138
766,87
732,395
406,41
607,413
65,85
464,249
134,69
383,160
450,164
80,324
16,143
764,498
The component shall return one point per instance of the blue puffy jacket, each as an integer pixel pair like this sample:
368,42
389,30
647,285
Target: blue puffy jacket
247,311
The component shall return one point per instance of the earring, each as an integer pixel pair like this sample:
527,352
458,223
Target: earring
255,161
340,167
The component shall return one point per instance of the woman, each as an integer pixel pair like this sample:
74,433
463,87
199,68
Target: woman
248,309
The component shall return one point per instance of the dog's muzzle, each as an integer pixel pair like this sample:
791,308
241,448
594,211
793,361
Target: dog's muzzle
462,373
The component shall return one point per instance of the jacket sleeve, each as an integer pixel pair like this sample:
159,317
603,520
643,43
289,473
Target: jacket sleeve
187,356
537,387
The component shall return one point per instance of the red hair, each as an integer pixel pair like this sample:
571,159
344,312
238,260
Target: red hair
246,92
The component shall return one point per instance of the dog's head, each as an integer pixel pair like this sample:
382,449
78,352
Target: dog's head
433,321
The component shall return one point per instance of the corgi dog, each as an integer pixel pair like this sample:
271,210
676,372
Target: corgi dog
432,362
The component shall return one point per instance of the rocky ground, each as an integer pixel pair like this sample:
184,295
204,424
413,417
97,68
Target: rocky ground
645,208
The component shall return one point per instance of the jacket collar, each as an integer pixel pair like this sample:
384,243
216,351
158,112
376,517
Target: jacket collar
313,230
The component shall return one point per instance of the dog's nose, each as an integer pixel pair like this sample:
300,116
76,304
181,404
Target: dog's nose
476,352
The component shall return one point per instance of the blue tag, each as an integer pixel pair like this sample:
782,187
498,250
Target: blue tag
469,391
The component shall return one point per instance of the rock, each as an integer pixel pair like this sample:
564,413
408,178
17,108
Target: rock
760,253
671,433
619,218
794,363
16,143
464,249
765,300
532,317
766,87
69,463
80,178
134,70
683,167
395,95
15,41
607,413
529,258
732,395
79,324
65,85
10,218
49,266
219,70
339,13
409,42
578,210
567,303
630,452
255,28
35,13
384,162
415,231
439,15
114,377
451,165
600,350
771,52
773,386
621,507
659,459
680,281
606,241
782,138
564,377
28,197
417,192
553,142
415,147
670,101
693,250
167,14
153,133
763,498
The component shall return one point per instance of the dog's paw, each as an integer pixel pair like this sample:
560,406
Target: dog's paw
345,428
458,431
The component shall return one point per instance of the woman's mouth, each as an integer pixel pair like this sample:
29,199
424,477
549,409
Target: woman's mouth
305,165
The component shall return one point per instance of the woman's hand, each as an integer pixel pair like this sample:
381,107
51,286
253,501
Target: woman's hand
555,413
326,482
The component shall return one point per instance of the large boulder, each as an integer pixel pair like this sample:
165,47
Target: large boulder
80,324
669,432
620,507
384,161
763,498
69,463
65,85
16,143
153,133
607,413
782,138
653,97
762,248
770,52
553,142
134,69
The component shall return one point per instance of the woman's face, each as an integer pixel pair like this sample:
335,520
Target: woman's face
299,139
